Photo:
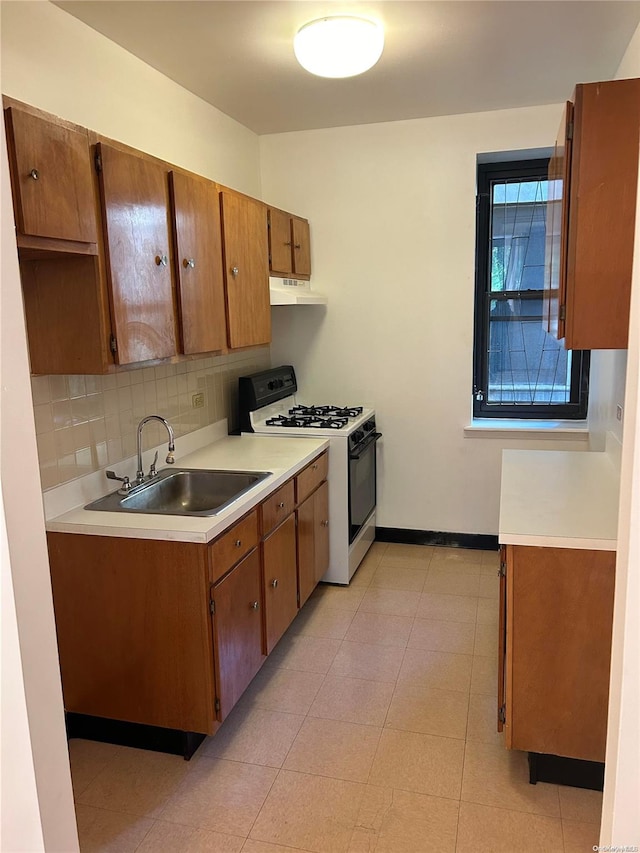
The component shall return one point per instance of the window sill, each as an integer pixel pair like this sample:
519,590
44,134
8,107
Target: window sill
538,430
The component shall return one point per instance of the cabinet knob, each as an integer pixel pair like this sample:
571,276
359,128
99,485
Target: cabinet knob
188,262
281,505
274,583
34,174
297,246
234,271
238,543
288,243
161,260
315,466
255,605
325,522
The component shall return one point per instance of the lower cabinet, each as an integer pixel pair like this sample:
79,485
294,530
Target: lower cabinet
170,634
313,540
555,649
237,631
280,581
134,630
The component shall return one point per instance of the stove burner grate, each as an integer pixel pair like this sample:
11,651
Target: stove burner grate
307,421
327,411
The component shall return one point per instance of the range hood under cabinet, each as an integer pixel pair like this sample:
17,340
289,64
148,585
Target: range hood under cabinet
293,291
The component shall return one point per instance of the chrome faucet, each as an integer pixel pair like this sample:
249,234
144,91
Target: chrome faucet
170,459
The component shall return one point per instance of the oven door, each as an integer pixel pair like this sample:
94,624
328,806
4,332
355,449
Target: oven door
362,483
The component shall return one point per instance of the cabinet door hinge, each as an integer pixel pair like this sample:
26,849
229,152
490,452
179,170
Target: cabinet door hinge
212,606
562,314
113,345
502,714
502,571
98,162
217,704
570,130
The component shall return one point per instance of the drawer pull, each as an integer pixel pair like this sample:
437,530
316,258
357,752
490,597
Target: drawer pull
315,466
34,174
238,543
255,606
281,505
274,583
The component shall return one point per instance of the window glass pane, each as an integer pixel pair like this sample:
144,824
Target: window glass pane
526,365
518,217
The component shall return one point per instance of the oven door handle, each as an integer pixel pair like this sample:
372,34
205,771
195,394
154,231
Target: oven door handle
365,446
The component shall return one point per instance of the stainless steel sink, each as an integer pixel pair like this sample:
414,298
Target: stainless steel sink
183,491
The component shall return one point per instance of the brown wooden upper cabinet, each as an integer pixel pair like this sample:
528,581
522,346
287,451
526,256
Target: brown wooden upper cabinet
135,206
592,192
52,183
289,244
245,248
198,241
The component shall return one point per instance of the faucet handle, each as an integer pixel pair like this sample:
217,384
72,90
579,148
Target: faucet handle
126,484
152,471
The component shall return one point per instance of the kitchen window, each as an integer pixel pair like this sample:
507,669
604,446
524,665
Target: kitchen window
520,371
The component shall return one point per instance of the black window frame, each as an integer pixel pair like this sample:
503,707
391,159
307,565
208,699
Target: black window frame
576,408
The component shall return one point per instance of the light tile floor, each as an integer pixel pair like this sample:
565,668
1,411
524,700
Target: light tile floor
371,727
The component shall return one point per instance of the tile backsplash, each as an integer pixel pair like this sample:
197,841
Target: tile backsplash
84,423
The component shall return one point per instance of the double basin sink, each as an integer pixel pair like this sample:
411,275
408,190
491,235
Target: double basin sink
183,491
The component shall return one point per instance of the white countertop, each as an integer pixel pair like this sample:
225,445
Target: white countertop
281,455
559,499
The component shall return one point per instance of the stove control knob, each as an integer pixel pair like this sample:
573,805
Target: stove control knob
358,436
370,425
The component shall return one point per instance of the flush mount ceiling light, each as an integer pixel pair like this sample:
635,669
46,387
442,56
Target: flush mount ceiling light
339,46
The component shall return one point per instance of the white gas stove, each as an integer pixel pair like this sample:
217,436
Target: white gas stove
270,405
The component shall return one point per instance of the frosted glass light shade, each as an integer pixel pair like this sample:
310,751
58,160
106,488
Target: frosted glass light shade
339,46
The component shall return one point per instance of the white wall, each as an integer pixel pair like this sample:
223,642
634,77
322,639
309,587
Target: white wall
392,211
34,751
54,62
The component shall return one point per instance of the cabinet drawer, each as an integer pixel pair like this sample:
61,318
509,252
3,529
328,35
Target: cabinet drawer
233,545
311,476
276,508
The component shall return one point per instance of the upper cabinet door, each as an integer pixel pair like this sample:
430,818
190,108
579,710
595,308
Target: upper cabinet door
601,221
52,179
199,275
246,259
135,199
301,246
556,231
280,252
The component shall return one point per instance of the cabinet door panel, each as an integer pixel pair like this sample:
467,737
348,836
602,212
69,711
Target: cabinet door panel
559,637
280,581
301,247
280,249
237,631
53,180
557,224
321,530
135,198
306,551
196,211
502,635
246,258
602,203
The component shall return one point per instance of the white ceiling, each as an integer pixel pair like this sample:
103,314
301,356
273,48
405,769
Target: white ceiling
440,58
